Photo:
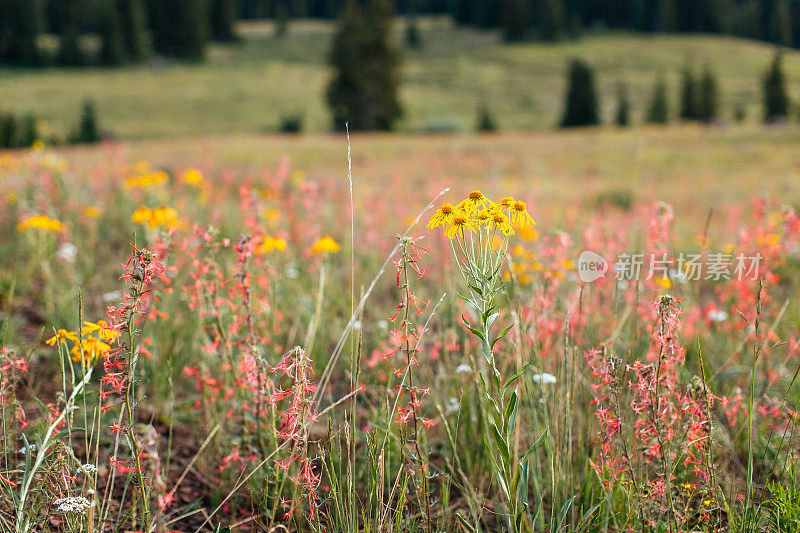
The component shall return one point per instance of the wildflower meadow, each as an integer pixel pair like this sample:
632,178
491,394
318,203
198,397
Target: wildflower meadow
199,348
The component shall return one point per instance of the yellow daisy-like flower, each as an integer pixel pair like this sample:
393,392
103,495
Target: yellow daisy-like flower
500,221
154,218
473,202
88,351
460,222
147,179
442,216
92,211
105,332
325,244
42,222
62,335
270,244
484,216
507,202
193,177
520,215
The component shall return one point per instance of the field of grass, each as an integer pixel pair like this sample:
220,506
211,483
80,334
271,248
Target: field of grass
248,87
264,368
564,173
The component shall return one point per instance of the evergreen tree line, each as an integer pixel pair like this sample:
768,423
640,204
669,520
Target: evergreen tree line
776,21
131,31
698,98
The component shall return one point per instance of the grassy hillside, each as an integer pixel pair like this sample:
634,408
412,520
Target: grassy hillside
247,87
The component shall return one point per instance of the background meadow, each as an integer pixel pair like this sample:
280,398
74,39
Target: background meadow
209,325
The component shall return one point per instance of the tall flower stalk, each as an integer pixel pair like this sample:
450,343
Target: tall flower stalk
140,273
479,231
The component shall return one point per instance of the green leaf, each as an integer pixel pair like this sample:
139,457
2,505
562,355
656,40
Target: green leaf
502,334
510,414
536,445
490,320
476,289
463,521
502,446
516,376
473,330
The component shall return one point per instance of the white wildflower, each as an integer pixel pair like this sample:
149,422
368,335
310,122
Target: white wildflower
717,315
112,296
463,368
544,378
67,252
452,406
88,469
72,504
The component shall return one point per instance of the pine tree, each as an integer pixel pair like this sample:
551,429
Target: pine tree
223,20
70,53
485,121
776,101
364,89
20,26
708,100
8,130
134,30
551,19
281,19
689,95
781,24
622,117
191,29
112,53
658,113
87,130
515,18
413,38
29,132
581,107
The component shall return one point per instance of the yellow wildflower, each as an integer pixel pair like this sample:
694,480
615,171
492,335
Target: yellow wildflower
664,283
92,211
88,351
147,179
157,217
472,202
270,244
62,335
520,215
193,177
325,244
105,332
529,233
500,221
460,222
42,222
442,216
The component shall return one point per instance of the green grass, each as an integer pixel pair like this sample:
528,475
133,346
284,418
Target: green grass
247,87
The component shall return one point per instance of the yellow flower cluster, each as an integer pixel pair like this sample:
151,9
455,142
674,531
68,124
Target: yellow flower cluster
88,349
476,211
270,244
146,179
192,177
156,217
42,222
92,211
325,244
